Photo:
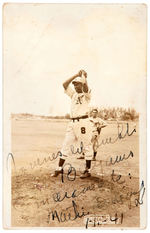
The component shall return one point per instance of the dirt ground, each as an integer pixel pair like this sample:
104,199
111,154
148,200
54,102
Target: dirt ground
39,200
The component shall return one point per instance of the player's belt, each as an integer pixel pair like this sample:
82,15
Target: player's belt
79,118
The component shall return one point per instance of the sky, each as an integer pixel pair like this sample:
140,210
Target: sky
45,44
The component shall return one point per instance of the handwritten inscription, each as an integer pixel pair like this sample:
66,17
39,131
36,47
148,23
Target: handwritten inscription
104,195
50,158
94,221
120,158
120,135
10,157
70,214
58,197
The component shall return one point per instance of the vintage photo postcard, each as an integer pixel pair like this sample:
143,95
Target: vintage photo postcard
74,92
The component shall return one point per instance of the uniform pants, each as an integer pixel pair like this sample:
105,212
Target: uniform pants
78,132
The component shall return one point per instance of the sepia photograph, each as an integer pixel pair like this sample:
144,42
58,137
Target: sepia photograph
74,90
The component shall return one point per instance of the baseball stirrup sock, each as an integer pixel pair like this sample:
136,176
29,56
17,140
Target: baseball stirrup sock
95,152
61,162
88,164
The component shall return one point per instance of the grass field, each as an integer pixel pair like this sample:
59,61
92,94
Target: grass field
34,143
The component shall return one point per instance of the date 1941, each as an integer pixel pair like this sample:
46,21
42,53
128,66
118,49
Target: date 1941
99,220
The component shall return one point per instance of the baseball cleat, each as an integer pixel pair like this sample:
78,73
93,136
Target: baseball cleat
56,173
85,175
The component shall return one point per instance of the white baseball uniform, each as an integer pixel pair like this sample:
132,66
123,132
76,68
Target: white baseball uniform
78,129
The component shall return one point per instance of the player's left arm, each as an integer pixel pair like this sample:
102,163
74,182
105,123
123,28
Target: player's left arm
103,124
85,86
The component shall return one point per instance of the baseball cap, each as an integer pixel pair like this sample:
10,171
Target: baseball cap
78,80
95,110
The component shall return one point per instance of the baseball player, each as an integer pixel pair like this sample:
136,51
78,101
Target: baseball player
98,124
79,128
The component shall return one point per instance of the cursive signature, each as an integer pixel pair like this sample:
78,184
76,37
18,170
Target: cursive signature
65,216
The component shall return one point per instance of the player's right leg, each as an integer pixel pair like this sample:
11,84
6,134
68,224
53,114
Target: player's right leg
65,151
86,173
59,170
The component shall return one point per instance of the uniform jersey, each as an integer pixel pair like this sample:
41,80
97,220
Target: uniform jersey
78,130
79,102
